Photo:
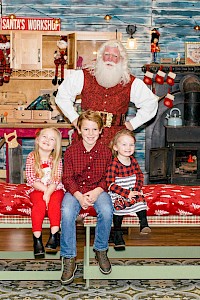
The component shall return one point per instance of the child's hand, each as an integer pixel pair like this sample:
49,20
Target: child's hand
93,195
82,199
133,194
85,202
46,198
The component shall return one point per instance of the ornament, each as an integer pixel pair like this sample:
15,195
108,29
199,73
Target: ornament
5,70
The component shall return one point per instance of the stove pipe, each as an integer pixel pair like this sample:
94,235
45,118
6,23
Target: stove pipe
192,109
190,86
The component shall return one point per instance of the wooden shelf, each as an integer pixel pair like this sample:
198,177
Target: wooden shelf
154,68
33,74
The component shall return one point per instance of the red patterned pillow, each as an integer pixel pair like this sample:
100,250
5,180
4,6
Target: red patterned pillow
14,199
90,211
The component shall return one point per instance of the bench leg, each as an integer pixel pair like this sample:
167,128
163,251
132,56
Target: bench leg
87,254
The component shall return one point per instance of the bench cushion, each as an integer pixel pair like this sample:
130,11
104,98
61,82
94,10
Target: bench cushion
167,200
162,200
14,199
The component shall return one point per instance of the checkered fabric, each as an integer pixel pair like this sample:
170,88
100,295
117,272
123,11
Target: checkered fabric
160,221
15,219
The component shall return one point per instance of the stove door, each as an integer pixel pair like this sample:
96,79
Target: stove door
159,164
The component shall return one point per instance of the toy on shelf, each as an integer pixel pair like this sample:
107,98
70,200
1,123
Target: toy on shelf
60,59
40,103
155,48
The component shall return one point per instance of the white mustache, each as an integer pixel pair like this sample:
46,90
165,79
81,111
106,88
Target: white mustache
109,63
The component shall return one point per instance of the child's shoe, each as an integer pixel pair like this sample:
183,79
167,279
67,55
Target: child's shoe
144,227
145,230
52,244
38,247
119,241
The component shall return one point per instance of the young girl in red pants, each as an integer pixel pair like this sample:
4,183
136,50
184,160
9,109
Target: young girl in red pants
43,174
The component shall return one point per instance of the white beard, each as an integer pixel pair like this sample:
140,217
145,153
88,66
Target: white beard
108,74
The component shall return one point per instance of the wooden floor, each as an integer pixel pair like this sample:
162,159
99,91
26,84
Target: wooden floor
21,239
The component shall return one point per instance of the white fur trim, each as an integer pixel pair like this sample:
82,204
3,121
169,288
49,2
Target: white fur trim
149,74
170,96
161,73
172,75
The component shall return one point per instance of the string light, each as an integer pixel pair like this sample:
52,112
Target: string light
12,16
56,21
107,18
196,27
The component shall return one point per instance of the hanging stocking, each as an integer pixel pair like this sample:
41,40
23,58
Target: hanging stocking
170,77
148,78
160,76
169,100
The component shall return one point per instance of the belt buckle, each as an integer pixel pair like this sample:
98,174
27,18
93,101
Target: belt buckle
109,117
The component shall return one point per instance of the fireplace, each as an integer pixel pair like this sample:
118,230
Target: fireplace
173,153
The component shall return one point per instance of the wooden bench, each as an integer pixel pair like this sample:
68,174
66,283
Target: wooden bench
18,222
125,271
91,271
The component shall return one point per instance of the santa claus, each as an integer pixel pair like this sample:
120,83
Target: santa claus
108,88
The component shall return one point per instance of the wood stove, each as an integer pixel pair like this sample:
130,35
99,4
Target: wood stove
179,161
173,153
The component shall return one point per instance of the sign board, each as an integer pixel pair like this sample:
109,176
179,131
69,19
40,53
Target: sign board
33,24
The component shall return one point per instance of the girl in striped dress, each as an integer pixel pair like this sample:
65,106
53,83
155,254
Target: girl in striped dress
125,181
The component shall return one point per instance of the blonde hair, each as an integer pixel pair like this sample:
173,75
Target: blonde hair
56,152
117,136
90,115
117,44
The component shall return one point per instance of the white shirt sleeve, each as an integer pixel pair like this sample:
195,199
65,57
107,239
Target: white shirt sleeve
67,92
145,101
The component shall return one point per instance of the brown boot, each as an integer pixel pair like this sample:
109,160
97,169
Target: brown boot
104,263
69,269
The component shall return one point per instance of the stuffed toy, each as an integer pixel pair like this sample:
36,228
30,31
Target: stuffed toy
46,174
5,70
155,48
60,59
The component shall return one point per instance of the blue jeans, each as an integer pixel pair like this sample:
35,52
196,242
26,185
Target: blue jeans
70,210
